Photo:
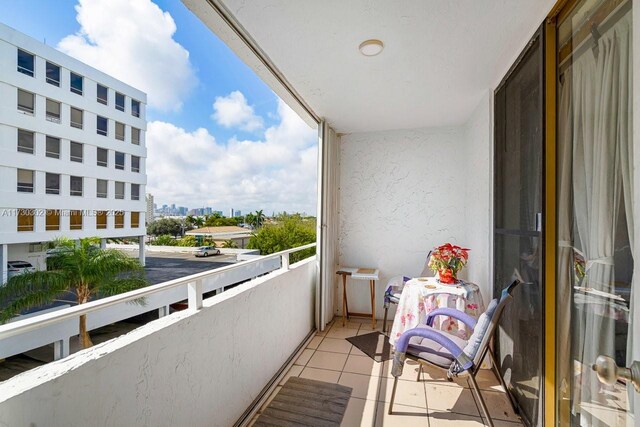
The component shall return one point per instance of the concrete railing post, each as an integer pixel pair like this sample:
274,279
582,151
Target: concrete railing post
61,349
285,261
195,295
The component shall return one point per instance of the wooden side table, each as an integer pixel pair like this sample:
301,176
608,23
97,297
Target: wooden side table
370,274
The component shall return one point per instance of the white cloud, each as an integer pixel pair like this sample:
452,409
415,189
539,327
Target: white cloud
276,172
233,111
132,40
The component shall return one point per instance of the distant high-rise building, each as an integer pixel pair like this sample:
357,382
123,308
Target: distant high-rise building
150,208
237,214
231,213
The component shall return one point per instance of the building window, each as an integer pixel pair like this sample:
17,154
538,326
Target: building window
53,111
135,164
101,220
26,101
135,108
102,125
26,62
102,186
75,220
103,94
119,160
103,157
76,152
53,74
53,147
120,131
135,136
135,219
25,181
25,141
119,219
52,220
26,219
76,83
119,101
135,191
76,120
52,183
119,190
75,186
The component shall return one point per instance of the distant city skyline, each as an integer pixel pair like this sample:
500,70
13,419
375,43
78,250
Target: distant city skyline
173,209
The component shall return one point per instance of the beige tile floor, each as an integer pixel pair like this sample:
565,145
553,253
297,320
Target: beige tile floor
433,401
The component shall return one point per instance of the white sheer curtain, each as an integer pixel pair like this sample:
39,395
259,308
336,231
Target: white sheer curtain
602,173
565,226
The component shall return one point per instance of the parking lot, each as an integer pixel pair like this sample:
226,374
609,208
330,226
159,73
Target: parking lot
161,267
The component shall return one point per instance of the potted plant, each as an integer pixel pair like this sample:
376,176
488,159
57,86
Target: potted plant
447,260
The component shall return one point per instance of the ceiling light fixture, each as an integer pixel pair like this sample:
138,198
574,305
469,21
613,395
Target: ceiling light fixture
371,47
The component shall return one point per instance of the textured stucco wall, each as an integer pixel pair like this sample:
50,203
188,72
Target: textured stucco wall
401,193
478,138
193,368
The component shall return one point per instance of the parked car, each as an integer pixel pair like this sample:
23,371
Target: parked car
18,267
207,250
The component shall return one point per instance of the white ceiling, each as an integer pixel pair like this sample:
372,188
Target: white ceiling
440,56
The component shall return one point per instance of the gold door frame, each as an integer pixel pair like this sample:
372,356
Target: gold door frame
554,414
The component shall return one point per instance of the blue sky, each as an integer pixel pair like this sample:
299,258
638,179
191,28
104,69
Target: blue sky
248,119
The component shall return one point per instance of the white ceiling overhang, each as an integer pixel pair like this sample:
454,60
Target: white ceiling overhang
440,56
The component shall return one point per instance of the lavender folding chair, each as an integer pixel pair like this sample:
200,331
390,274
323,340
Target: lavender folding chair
427,345
394,290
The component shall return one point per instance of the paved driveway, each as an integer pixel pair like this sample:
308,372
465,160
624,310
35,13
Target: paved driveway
162,267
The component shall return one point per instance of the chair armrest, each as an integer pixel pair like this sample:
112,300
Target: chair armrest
431,334
451,312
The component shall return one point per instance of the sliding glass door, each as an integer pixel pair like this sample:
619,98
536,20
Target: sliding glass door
594,175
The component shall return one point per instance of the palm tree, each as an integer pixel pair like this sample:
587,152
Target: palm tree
259,218
198,221
83,268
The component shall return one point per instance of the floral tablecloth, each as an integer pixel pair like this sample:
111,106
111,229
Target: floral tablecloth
423,295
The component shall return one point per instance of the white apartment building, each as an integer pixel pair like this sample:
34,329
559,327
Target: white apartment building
73,153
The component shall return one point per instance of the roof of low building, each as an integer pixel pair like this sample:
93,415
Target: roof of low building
219,230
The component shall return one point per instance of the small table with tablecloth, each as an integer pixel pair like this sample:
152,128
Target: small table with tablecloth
422,295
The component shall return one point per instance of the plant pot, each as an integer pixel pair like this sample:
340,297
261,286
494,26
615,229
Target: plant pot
447,276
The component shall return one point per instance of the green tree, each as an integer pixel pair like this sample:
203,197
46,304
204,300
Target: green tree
259,218
289,232
83,268
250,219
218,221
170,226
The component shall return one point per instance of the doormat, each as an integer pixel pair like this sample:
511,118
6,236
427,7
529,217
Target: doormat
375,345
306,402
